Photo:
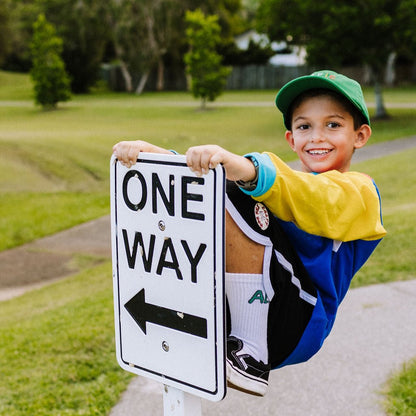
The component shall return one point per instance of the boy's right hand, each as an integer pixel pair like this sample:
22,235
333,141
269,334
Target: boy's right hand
127,152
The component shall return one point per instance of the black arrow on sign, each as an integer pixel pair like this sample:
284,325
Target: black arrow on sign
143,312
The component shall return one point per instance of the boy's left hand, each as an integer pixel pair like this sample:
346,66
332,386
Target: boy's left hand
202,158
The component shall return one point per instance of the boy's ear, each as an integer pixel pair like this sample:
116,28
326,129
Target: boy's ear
289,139
363,134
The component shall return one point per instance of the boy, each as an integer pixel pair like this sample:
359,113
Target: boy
294,240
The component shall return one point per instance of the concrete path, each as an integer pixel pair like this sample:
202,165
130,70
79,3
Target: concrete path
47,259
373,335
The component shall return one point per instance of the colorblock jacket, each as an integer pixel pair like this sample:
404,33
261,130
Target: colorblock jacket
334,222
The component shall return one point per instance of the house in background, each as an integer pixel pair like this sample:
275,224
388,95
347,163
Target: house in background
285,64
284,55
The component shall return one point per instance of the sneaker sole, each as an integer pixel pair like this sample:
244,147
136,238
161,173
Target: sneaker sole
242,381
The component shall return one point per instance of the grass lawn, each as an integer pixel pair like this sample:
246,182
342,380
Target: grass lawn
396,179
400,392
63,156
56,344
57,353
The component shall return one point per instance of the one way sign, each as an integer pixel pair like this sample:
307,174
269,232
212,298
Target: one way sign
168,272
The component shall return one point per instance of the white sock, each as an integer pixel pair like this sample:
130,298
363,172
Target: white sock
249,309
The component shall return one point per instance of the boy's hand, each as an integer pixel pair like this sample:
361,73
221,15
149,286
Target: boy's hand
128,151
199,158
202,158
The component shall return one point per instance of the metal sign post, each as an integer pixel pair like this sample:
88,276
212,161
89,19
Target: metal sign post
178,403
168,276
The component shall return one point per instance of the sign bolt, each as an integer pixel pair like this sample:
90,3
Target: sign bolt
162,225
165,346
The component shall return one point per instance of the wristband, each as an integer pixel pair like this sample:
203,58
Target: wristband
250,185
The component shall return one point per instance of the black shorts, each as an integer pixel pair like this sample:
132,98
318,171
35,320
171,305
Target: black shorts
287,283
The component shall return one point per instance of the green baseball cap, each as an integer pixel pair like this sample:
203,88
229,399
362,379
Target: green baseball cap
325,79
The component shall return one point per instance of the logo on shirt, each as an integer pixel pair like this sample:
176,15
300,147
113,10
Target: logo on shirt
262,216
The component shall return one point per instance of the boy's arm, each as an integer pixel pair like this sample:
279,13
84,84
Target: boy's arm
340,206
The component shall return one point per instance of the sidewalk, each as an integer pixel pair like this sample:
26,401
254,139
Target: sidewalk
35,264
373,336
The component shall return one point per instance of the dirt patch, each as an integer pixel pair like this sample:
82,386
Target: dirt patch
53,257
26,266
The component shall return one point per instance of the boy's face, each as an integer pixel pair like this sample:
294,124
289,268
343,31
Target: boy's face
323,134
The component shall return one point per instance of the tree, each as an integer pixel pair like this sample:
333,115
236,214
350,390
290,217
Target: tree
208,75
143,32
144,36
22,14
365,32
4,30
83,28
51,83
80,24
255,54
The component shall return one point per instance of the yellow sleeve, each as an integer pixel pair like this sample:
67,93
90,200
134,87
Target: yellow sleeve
341,206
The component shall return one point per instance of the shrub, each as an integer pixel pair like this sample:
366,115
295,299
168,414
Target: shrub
51,82
208,75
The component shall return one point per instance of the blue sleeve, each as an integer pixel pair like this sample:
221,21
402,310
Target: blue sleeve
267,174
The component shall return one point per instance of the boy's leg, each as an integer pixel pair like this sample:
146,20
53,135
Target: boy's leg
260,256
243,255
247,352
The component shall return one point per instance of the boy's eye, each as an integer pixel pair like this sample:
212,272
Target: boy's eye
333,125
303,127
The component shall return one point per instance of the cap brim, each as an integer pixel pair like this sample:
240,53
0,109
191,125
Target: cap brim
297,86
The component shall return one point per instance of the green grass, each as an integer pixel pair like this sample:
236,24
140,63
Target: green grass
64,154
56,344
40,214
401,392
396,178
15,86
401,94
57,349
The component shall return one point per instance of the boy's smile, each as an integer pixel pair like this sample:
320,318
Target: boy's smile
323,134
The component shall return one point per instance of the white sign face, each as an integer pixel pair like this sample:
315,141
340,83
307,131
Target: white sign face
168,272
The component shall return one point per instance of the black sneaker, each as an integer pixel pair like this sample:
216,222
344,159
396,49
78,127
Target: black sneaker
244,373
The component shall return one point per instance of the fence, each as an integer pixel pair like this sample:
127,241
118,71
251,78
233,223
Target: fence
263,76
252,77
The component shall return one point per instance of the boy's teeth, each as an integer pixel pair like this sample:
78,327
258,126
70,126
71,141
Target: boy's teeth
318,152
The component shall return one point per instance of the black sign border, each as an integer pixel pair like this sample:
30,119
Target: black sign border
218,361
